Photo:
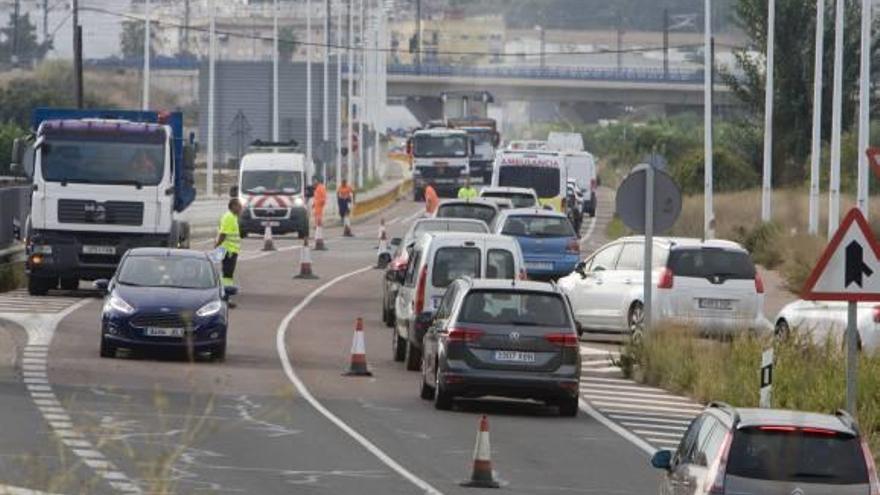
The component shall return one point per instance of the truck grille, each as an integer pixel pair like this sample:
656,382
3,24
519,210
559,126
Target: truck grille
269,212
440,172
110,212
160,320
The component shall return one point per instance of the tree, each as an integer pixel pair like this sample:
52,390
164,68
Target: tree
19,43
793,74
132,38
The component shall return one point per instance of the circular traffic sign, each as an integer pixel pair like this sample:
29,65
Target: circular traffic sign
630,200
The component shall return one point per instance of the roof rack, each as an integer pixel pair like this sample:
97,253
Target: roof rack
847,419
717,404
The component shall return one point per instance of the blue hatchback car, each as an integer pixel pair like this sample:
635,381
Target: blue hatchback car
166,300
547,240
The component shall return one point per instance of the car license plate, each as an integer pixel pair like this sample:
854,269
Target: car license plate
88,249
163,332
270,224
724,304
539,265
515,356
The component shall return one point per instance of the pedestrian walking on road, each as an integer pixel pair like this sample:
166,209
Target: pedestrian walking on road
467,191
319,199
345,200
431,200
229,239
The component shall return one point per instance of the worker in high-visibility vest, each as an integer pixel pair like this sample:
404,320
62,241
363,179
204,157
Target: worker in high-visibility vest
319,199
229,238
431,200
345,202
467,191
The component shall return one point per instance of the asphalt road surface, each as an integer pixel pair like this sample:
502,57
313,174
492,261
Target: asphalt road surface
278,416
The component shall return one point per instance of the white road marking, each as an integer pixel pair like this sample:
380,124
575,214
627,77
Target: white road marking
616,428
625,394
653,426
643,407
280,343
589,229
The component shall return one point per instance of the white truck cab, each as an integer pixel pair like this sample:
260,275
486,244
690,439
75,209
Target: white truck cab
272,184
440,157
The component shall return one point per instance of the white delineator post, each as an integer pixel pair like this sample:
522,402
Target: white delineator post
836,110
275,118
816,148
766,378
767,182
147,18
212,47
708,208
864,108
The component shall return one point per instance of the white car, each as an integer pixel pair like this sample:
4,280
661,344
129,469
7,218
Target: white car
821,320
710,285
521,197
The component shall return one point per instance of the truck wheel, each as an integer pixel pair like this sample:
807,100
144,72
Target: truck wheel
39,286
69,283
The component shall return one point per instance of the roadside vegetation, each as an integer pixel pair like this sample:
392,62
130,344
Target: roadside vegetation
806,376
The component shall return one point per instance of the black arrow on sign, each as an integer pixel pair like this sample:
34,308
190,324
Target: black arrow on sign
855,265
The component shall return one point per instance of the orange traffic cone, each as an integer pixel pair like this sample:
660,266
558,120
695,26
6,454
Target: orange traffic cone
482,476
268,244
358,366
319,238
305,262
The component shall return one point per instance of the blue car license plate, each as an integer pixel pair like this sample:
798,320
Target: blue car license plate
163,332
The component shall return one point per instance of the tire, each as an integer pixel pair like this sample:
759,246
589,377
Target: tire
219,352
69,283
568,408
413,357
398,346
108,350
635,320
442,399
39,286
782,331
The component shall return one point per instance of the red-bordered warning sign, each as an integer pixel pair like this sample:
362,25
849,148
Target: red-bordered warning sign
849,269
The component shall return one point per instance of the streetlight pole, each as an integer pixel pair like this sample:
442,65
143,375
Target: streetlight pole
325,104
338,132
349,159
309,162
836,110
145,102
212,42
362,142
767,181
864,107
275,115
708,206
77,57
816,148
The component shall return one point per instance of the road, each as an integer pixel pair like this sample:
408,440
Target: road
278,416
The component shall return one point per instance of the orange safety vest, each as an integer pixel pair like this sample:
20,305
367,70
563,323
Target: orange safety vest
431,200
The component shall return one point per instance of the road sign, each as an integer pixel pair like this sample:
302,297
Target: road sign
849,269
631,202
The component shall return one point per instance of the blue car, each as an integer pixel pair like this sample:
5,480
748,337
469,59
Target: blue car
165,300
547,240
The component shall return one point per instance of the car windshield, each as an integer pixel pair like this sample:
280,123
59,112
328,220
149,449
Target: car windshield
460,210
797,456
507,307
519,200
711,262
440,146
544,180
453,262
537,226
167,271
103,162
271,181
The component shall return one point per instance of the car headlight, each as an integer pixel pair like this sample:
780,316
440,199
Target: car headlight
209,309
116,303
298,201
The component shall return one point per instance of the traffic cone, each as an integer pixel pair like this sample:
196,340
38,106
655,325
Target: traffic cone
482,476
346,230
305,262
358,365
268,244
319,238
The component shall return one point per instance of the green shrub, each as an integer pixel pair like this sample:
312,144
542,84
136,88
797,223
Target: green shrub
731,173
764,241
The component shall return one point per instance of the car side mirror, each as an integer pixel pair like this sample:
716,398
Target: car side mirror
662,459
384,259
310,192
580,268
396,241
229,290
101,284
16,161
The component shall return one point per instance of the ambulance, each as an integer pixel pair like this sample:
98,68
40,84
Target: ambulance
541,170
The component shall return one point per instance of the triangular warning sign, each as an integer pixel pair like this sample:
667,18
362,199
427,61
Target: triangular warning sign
849,269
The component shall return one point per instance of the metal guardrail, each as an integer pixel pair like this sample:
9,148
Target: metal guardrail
630,74
14,207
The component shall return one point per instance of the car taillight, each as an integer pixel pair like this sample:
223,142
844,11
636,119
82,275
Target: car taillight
876,313
666,279
562,339
719,467
420,290
466,335
573,246
872,468
759,283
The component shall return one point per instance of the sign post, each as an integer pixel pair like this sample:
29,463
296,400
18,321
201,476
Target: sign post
849,270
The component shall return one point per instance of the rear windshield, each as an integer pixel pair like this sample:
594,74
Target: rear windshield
711,262
505,307
538,226
518,200
798,457
476,211
544,180
453,262
449,226
499,264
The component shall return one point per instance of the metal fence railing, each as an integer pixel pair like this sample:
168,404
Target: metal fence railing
14,206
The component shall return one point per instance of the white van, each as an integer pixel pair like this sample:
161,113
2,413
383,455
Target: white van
580,166
435,261
543,171
272,189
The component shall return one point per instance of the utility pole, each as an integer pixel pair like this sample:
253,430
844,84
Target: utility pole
666,43
15,14
619,40
212,47
362,141
325,104
864,107
836,110
338,131
767,180
275,117
349,70
816,148
708,204
146,91
309,156
77,56
419,34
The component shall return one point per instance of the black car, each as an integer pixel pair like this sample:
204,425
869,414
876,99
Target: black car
502,338
166,300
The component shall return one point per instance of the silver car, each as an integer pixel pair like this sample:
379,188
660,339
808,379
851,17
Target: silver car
728,451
